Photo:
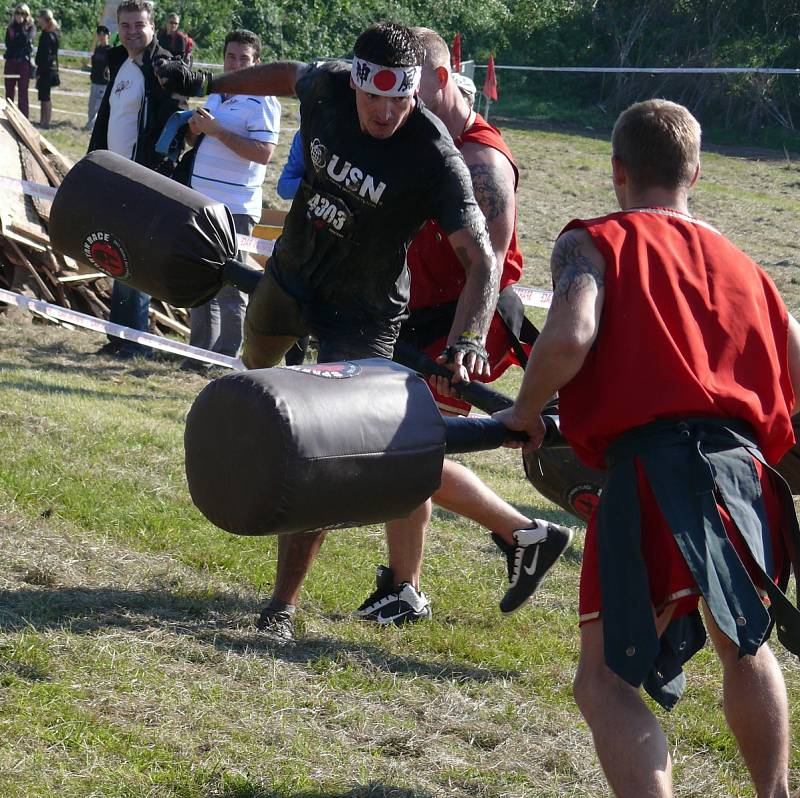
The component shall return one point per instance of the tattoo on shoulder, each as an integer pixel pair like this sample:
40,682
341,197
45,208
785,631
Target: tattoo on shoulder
490,192
572,268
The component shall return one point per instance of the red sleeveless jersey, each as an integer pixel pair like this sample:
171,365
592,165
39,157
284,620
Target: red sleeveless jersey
690,327
437,275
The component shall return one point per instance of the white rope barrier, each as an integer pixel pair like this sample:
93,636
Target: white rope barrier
66,316
31,189
587,69
654,70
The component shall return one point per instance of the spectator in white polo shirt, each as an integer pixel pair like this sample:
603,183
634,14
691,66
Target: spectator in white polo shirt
239,134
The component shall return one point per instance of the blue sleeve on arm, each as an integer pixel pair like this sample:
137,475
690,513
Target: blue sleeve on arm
293,170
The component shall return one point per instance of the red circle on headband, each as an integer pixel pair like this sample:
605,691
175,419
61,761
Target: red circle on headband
384,80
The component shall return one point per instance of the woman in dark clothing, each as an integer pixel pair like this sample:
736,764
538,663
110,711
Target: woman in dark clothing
47,64
19,46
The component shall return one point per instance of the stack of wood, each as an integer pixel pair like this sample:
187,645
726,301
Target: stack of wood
28,263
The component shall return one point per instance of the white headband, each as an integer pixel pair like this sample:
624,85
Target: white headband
388,81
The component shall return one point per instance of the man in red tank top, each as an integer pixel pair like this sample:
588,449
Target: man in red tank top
677,367
531,546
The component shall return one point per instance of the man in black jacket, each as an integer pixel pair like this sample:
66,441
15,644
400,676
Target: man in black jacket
131,116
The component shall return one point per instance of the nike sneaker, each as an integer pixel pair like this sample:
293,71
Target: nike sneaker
393,604
533,554
384,593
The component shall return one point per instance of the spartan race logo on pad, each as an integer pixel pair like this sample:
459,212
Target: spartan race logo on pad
106,252
584,498
330,371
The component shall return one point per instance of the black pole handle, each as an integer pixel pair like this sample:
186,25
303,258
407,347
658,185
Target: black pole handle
243,277
481,434
484,398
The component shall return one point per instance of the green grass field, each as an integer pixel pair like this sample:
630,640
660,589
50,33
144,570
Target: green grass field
129,666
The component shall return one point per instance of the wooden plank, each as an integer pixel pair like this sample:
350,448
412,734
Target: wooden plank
34,234
35,174
48,270
11,235
97,307
63,163
26,264
80,278
181,315
51,262
28,134
165,308
272,217
268,232
69,264
162,318
12,200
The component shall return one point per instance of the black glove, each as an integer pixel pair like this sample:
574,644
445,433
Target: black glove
176,77
465,346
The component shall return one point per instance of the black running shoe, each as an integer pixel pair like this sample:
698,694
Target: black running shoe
277,624
533,554
110,348
393,604
384,593
407,605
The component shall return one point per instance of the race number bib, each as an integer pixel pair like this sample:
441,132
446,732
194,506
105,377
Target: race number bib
330,213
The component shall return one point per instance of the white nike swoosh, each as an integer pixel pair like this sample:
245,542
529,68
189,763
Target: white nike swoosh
384,619
531,569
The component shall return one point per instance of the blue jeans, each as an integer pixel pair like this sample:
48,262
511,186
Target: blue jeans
130,308
96,93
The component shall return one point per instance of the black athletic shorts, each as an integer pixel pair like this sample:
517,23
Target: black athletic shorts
275,319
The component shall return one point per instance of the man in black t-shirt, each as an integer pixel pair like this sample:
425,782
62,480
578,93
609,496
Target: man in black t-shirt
378,165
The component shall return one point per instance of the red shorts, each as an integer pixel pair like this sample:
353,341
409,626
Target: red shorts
671,581
500,358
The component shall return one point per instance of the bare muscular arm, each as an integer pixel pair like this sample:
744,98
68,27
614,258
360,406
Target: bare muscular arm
493,184
278,79
478,298
572,325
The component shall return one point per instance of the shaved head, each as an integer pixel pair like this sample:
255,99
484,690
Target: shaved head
437,54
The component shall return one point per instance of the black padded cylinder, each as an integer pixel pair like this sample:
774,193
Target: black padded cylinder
283,450
143,228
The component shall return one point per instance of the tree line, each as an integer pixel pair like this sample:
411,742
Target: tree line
637,33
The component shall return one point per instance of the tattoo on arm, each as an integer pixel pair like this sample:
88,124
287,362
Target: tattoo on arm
491,193
488,296
572,268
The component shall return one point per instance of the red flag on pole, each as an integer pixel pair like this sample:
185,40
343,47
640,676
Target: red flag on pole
455,53
490,84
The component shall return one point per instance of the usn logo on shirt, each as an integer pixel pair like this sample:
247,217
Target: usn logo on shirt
346,174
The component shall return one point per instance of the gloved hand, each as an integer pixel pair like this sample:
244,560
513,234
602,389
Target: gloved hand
175,76
466,357
467,351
